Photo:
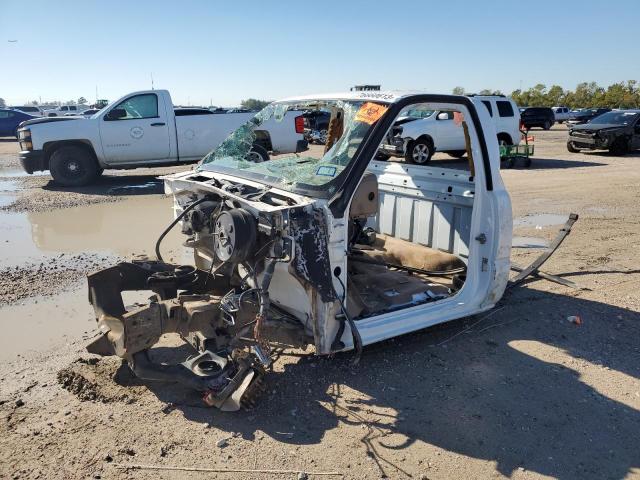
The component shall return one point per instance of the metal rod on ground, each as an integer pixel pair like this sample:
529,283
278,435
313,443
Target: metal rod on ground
537,263
550,277
136,466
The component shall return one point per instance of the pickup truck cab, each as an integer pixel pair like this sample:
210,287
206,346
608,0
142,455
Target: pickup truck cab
331,249
562,114
141,129
61,111
418,134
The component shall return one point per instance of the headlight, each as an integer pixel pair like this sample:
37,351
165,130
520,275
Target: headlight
24,137
24,134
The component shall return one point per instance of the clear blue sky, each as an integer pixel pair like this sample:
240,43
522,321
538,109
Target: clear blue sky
229,50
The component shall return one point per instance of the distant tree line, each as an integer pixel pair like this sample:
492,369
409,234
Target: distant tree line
586,94
254,104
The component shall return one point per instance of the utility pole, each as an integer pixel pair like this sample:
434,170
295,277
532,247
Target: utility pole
151,80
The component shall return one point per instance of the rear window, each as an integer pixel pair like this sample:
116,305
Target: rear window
487,104
504,108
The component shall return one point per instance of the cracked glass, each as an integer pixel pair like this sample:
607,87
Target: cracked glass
332,143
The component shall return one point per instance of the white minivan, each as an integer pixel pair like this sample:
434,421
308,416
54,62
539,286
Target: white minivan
419,133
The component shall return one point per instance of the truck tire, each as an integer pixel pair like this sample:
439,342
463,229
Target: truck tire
571,148
419,151
620,146
257,154
547,125
457,153
73,166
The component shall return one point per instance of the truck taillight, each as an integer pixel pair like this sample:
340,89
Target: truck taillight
299,124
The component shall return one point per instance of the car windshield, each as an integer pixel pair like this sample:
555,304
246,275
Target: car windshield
311,170
416,113
617,118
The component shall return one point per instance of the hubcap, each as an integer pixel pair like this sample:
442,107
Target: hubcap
420,153
74,168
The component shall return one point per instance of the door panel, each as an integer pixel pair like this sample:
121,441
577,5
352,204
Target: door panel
449,136
139,132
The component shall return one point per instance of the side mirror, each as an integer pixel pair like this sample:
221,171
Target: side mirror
116,114
443,116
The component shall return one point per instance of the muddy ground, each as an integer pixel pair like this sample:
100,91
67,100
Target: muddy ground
520,392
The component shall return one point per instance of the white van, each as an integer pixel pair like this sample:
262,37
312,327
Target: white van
419,133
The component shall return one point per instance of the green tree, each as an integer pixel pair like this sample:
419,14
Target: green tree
458,91
3,104
555,96
254,104
82,101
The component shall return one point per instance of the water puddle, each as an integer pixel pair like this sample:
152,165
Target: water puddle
540,220
123,228
529,242
14,172
40,324
126,228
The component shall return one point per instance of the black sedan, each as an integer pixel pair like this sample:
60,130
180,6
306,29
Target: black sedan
586,115
617,131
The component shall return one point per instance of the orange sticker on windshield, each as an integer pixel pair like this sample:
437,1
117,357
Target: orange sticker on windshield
370,112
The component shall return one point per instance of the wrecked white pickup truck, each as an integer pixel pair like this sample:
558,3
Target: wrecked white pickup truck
334,250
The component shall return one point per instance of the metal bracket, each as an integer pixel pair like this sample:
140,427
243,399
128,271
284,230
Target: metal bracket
533,269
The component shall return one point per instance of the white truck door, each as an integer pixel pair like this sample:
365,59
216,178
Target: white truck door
449,136
136,129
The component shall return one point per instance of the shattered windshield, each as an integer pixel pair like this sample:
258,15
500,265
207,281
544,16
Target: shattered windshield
312,169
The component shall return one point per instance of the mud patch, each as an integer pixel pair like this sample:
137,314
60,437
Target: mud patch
49,276
105,380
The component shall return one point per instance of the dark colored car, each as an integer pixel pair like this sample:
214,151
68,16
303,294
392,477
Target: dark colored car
617,131
586,115
316,119
9,121
542,117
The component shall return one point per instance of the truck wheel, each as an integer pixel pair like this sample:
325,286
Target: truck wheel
571,148
547,125
619,146
419,152
73,166
381,156
457,153
257,154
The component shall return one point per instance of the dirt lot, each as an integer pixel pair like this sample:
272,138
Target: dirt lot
521,392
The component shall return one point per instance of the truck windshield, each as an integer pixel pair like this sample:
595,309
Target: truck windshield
313,169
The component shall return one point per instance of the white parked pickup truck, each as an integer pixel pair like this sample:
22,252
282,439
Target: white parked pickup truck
562,114
418,134
62,110
142,129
